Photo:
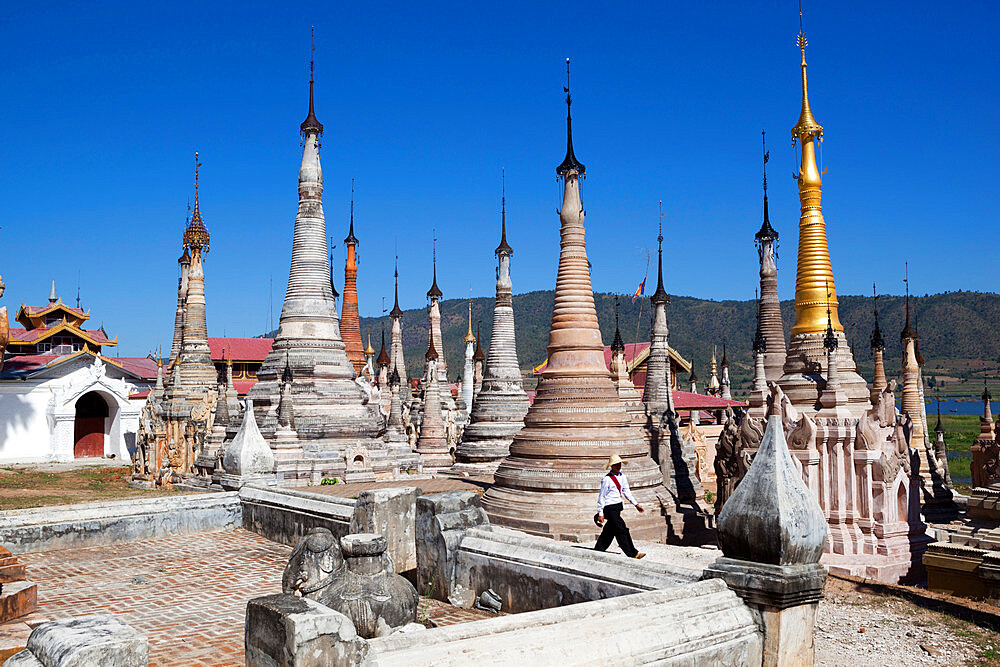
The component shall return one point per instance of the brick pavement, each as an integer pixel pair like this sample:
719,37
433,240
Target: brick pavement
187,593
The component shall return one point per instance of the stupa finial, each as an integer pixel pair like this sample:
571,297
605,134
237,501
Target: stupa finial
311,125
569,163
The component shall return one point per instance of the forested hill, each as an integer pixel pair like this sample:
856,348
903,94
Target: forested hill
952,326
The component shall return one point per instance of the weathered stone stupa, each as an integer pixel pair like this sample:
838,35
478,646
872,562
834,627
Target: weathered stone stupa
769,308
332,412
432,445
350,324
181,412
548,484
397,361
627,393
500,402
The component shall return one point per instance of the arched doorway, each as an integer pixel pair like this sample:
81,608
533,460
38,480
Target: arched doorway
90,425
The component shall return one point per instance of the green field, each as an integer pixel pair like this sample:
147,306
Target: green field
959,433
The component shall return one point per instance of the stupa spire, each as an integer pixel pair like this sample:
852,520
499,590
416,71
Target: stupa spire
660,295
879,381
503,248
350,321
330,408
557,460
814,271
310,125
569,163
396,337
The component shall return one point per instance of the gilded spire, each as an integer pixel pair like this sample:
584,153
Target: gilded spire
569,163
310,125
469,338
370,351
196,235
503,247
434,292
807,125
660,295
815,290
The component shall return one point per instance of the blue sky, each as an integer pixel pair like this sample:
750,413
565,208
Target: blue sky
105,105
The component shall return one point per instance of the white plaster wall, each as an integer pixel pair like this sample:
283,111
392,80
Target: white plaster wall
24,425
37,415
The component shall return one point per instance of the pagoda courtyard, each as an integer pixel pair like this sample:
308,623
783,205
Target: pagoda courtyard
360,485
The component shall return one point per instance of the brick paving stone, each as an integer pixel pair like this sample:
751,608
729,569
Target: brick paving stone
187,593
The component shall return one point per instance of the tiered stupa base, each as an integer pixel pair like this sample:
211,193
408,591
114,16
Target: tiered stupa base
804,375
548,485
499,416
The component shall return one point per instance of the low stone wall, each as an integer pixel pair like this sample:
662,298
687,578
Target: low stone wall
285,515
96,524
691,624
531,573
460,555
962,570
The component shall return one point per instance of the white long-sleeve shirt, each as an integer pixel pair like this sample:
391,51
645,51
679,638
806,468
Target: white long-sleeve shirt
609,492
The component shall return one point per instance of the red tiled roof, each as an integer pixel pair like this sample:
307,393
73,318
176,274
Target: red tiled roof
243,386
139,394
28,362
632,350
685,400
97,336
239,349
142,367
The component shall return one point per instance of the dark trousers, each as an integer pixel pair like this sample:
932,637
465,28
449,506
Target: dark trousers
614,526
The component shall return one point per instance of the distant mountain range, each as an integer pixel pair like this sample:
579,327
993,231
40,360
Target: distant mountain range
952,326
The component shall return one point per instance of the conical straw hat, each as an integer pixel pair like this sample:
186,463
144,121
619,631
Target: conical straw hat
613,459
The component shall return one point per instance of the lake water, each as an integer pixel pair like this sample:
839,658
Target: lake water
961,407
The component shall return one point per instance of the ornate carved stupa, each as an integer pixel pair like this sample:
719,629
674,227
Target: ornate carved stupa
181,413
500,402
332,412
350,324
769,320
548,484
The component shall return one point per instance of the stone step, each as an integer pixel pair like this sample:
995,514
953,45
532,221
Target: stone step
17,599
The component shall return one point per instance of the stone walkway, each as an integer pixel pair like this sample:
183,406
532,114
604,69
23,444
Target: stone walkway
188,593
427,484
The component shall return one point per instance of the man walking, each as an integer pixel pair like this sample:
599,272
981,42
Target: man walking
610,503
